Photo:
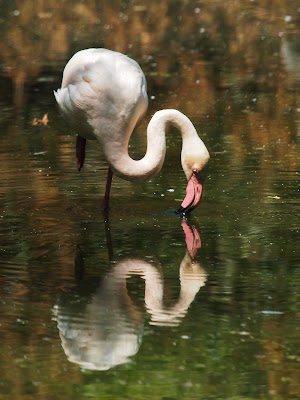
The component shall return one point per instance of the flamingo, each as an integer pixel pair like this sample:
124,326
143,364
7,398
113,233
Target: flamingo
103,96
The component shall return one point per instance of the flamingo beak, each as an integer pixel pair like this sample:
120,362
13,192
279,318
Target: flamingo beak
193,194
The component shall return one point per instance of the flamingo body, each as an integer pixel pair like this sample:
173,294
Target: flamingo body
104,96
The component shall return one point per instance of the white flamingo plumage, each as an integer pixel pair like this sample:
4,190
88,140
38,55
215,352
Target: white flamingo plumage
103,96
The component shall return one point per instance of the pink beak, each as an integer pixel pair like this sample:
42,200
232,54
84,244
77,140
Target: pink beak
193,195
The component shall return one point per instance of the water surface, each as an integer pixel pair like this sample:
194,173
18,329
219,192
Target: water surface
143,305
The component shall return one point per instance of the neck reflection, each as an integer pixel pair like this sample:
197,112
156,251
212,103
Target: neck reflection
104,330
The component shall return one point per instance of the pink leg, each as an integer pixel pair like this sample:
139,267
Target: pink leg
105,206
80,151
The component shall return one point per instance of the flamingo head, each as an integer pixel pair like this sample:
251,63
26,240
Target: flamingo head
194,161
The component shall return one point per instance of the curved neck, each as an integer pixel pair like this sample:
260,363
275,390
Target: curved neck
123,165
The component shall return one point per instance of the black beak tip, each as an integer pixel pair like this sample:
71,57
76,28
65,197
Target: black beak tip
183,211
180,211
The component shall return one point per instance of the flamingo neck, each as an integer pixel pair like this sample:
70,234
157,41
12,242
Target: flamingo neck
116,150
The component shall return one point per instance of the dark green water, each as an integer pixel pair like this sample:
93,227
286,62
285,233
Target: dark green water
118,309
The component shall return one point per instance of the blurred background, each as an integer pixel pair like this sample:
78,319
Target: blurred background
233,67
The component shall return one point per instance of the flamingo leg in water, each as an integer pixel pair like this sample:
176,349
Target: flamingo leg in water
80,151
105,206
108,236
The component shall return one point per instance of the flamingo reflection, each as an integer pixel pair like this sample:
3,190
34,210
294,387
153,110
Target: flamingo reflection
108,329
